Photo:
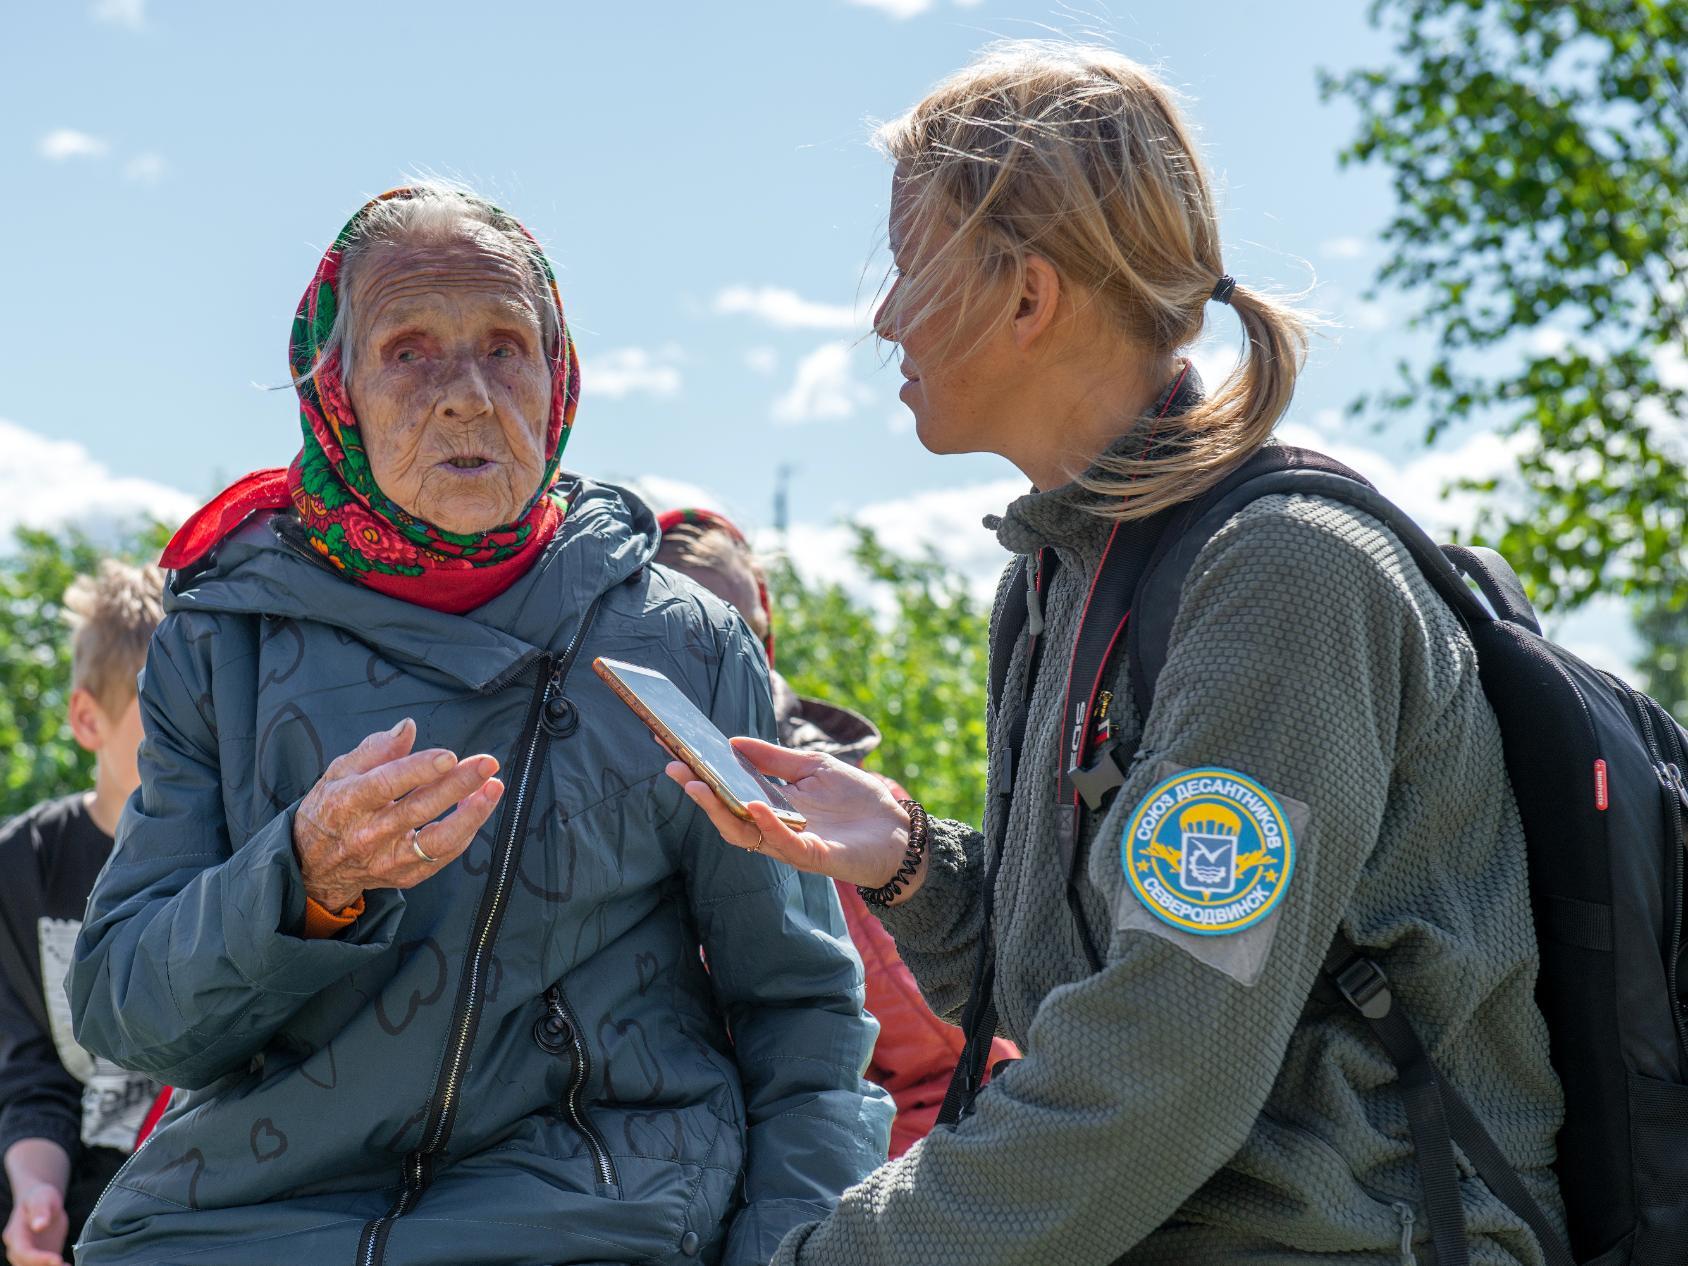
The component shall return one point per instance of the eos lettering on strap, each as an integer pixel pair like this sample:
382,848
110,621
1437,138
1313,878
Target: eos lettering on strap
1209,851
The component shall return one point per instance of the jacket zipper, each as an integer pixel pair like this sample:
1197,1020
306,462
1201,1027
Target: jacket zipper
562,1021
121,1170
418,1166
1675,793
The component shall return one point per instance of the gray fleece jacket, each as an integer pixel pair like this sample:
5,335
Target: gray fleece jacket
1189,1102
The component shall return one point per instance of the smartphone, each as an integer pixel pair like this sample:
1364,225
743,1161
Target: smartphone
694,740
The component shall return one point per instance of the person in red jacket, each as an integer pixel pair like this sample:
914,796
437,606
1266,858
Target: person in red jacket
916,1051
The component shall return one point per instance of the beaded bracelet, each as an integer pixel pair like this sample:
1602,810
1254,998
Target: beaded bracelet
919,828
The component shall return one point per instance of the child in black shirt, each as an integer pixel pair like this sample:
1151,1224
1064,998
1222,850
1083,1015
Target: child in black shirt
68,1119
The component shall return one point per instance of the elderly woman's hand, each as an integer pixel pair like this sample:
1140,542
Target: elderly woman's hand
370,820
855,832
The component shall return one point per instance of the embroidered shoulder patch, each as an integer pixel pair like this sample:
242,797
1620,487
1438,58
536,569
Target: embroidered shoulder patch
1209,851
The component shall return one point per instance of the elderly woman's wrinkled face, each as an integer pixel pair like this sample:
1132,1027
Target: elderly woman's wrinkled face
450,379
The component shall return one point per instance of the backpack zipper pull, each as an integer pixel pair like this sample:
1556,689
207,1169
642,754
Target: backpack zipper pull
1670,778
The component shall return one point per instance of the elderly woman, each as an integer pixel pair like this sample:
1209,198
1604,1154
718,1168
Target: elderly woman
404,906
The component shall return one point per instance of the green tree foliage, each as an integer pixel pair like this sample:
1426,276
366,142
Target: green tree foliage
912,657
38,757
1664,634
1539,155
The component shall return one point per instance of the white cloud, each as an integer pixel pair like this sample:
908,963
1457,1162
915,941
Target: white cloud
624,371
787,309
129,13
1344,248
762,360
897,8
902,9
66,143
822,388
1370,315
662,493
949,521
946,520
145,169
52,483
1418,484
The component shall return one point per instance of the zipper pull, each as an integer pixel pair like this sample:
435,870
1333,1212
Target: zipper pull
551,1031
1103,723
558,714
1670,778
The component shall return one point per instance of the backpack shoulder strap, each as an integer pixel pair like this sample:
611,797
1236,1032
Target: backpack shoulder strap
1273,470
1437,1115
1019,619
1010,625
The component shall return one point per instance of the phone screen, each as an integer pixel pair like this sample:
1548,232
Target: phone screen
695,732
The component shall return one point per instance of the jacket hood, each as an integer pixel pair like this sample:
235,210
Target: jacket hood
266,569
812,725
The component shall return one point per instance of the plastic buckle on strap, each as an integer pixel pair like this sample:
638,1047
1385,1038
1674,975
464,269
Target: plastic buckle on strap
1097,779
1366,988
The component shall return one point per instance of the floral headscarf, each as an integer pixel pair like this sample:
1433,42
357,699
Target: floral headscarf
344,514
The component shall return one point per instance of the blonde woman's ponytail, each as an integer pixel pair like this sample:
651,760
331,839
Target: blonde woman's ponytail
1235,418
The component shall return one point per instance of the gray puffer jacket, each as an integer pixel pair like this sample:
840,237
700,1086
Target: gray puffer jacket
525,1058
1192,1102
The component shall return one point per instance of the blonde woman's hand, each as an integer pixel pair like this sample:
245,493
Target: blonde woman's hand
856,831
370,821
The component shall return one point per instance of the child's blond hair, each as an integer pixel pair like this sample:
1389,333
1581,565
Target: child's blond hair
112,616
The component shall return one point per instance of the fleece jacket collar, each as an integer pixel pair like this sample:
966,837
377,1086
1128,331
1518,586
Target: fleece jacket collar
1070,518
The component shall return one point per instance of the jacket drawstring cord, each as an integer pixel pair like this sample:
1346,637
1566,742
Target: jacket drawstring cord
1405,1213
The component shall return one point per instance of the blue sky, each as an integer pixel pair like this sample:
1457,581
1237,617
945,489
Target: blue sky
702,178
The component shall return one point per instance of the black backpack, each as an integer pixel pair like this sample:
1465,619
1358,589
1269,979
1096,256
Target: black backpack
1598,769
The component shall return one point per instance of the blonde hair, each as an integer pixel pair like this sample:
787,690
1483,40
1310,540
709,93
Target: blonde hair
1078,154
112,616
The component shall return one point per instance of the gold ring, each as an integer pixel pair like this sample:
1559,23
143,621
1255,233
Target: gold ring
416,845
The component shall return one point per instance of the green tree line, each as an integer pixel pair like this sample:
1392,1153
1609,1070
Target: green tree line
909,653
1539,157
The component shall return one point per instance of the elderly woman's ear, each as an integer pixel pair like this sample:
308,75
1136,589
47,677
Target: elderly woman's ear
450,377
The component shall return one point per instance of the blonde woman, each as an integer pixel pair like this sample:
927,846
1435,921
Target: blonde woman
1185,1094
